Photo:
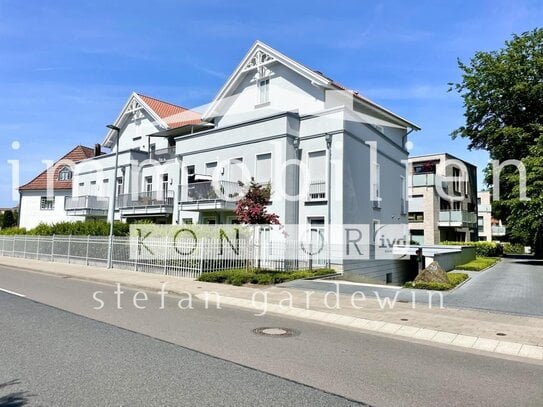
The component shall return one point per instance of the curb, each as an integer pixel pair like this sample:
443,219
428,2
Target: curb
405,331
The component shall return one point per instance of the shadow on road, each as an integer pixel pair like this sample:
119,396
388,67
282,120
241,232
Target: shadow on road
530,262
15,399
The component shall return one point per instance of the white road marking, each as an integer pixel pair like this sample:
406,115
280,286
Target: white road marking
13,293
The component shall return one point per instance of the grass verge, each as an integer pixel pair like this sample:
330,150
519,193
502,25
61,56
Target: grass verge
454,280
259,276
480,263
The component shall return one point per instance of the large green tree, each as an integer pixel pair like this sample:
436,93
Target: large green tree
503,99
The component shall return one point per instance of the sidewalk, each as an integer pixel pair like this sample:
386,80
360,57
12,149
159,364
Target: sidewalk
455,327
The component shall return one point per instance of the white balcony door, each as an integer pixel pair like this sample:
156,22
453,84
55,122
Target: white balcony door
235,172
148,186
263,168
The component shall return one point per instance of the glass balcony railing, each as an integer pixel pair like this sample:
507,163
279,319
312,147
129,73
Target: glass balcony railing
209,191
146,199
86,203
457,217
498,230
422,180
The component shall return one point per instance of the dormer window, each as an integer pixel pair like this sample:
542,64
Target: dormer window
263,91
65,174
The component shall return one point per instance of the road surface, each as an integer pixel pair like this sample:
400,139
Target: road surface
56,349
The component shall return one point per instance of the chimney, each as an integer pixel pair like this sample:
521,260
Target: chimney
97,150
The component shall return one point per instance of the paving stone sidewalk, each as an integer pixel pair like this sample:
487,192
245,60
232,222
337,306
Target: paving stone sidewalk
457,327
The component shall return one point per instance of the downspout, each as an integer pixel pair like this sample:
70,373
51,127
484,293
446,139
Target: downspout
328,138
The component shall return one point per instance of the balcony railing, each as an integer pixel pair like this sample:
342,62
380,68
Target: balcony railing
86,204
457,218
146,200
163,154
202,191
422,180
317,191
484,208
498,230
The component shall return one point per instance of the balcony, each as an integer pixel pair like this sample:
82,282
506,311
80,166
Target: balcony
86,205
457,218
209,195
498,230
484,208
317,191
422,180
163,154
146,203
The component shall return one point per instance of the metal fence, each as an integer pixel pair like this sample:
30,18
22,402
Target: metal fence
187,258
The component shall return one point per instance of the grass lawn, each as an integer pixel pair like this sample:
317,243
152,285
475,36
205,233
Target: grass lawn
259,276
480,263
454,280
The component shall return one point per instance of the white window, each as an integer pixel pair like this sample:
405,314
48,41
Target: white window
236,170
120,185
210,168
148,185
165,182
65,174
404,196
263,168
317,174
264,90
376,185
47,204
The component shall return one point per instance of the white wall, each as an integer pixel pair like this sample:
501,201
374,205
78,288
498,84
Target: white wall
31,215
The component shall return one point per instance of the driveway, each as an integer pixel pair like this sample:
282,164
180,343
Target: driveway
515,285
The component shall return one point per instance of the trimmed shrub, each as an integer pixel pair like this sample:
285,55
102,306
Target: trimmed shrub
480,263
482,249
91,228
13,231
454,280
259,276
510,248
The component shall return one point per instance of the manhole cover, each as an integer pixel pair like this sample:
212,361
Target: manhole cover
277,332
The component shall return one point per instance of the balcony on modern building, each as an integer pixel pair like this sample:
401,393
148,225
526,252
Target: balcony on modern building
484,208
457,218
422,180
209,195
146,203
163,154
498,230
86,205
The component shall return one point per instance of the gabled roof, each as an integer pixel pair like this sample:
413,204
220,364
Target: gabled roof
165,115
79,153
261,54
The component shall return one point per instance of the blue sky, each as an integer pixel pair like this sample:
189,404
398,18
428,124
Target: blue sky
68,67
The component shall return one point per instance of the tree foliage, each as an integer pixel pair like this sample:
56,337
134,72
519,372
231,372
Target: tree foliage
502,93
251,209
8,220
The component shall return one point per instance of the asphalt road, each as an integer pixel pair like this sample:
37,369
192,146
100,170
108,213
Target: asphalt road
76,355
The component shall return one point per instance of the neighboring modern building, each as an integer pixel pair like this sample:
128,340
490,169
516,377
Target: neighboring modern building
490,229
442,209
43,199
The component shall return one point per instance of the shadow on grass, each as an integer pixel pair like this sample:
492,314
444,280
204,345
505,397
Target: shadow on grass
15,399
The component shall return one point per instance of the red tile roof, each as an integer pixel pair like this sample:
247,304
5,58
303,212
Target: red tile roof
173,115
40,182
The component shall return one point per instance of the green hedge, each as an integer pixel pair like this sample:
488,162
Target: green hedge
510,248
454,280
482,249
254,276
91,228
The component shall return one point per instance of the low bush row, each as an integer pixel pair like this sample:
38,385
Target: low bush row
482,249
256,276
90,228
479,264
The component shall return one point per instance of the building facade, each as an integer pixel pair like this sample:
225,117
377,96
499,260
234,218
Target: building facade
45,198
490,229
442,199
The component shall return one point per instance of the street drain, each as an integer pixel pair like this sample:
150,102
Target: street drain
404,319
501,334
277,332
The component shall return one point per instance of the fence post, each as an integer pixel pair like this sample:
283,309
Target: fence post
201,257
87,253
165,255
24,250
53,249
311,256
38,249
69,247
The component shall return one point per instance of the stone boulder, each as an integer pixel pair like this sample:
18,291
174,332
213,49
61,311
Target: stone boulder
433,274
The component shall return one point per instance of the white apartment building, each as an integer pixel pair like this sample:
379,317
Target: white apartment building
490,229
442,199
273,113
